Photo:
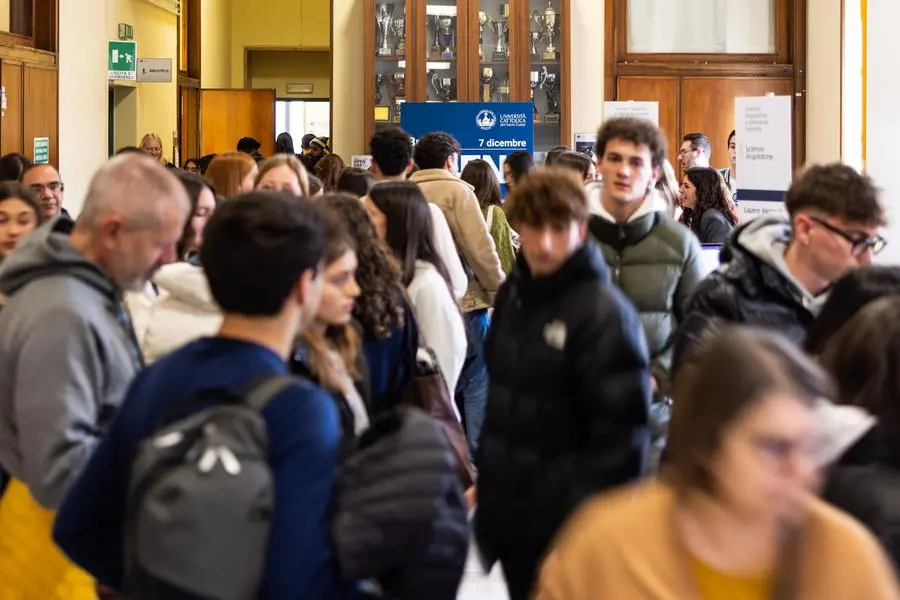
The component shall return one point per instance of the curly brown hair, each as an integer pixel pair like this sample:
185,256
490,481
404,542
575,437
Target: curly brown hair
380,306
329,170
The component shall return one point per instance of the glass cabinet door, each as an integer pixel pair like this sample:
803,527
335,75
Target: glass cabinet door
390,61
545,76
494,23
442,51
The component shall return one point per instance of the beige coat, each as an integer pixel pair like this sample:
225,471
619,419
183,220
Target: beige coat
457,200
623,546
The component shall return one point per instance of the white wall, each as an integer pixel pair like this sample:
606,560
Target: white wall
83,95
883,120
587,27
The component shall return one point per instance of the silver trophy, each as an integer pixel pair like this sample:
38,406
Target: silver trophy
550,84
379,83
398,90
537,81
488,81
447,36
398,27
501,29
484,21
384,15
434,25
442,86
503,90
535,38
548,20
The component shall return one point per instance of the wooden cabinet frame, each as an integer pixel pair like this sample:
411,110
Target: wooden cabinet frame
789,59
468,62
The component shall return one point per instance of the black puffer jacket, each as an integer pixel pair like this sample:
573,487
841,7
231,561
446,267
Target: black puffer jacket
866,483
750,288
567,409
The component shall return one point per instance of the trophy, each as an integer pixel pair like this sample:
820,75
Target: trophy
503,90
446,36
434,24
487,83
551,84
384,15
537,81
483,21
398,27
535,38
501,28
398,87
549,20
443,87
379,82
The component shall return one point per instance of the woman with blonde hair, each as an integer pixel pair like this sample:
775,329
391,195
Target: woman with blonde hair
152,144
670,190
232,174
283,172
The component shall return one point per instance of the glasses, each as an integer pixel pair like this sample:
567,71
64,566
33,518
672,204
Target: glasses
55,186
858,243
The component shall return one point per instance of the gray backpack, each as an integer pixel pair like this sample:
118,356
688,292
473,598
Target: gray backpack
201,498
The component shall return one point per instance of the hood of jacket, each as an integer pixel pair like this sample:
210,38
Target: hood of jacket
46,252
762,243
652,203
587,264
187,283
435,175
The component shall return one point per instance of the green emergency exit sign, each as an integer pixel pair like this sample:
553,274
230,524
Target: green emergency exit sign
122,60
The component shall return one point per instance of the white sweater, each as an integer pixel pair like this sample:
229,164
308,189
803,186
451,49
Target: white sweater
446,249
183,312
440,322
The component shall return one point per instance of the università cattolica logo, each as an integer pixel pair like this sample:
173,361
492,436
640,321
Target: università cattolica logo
486,120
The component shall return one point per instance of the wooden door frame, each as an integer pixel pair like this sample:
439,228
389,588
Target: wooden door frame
790,32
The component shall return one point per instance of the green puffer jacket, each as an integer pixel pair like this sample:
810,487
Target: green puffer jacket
655,261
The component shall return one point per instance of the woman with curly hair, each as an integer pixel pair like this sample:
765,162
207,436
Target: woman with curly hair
381,308
709,210
329,170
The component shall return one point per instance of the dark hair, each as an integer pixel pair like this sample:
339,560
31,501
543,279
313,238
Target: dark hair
434,149
391,150
639,132
329,170
698,141
838,191
284,143
730,137
356,181
380,306
129,150
711,195
553,197
864,359
710,395
203,162
194,185
14,189
13,166
196,162
305,141
519,163
268,228
574,161
410,230
315,185
480,175
849,295
554,154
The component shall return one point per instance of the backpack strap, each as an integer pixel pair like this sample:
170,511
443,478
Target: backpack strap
263,390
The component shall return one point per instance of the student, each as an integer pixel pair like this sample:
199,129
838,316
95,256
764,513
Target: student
480,175
567,409
283,172
232,173
516,165
708,209
20,214
265,309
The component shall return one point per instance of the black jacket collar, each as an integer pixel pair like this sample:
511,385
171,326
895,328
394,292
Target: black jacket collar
587,264
623,235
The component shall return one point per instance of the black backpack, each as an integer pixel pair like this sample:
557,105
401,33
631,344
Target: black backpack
201,498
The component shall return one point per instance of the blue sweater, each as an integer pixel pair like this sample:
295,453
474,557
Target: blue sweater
304,437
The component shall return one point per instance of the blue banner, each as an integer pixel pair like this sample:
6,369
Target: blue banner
487,130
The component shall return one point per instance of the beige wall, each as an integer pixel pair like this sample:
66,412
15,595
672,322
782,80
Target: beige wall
823,89
275,69
215,44
587,26
347,127
4,15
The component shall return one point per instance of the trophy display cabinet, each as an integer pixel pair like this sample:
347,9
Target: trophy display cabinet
470,51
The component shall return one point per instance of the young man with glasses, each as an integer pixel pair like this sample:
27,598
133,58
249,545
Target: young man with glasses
777,273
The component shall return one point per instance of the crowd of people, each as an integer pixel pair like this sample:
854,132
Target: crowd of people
286,378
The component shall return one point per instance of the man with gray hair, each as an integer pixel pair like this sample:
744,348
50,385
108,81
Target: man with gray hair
67,348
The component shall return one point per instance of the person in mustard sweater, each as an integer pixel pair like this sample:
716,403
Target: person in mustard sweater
734,515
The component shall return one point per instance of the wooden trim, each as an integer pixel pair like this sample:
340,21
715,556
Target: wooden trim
798,38
194,49
13,39
247,80
369,66
725,69
26,55
565,74
188,82
609,70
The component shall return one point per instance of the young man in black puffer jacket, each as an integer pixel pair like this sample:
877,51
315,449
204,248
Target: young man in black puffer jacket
567,409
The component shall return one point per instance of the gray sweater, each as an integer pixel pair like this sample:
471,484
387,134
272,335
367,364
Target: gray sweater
67,356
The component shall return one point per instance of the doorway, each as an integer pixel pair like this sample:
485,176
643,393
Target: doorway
299,117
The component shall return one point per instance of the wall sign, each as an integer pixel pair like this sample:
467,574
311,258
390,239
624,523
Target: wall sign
631,108
764,158
361,161
154,70
121,59
487,130
41,150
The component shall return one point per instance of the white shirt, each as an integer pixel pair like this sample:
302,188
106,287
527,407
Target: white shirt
446,249
440,323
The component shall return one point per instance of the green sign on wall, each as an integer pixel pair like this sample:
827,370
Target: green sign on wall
41,151
121,61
